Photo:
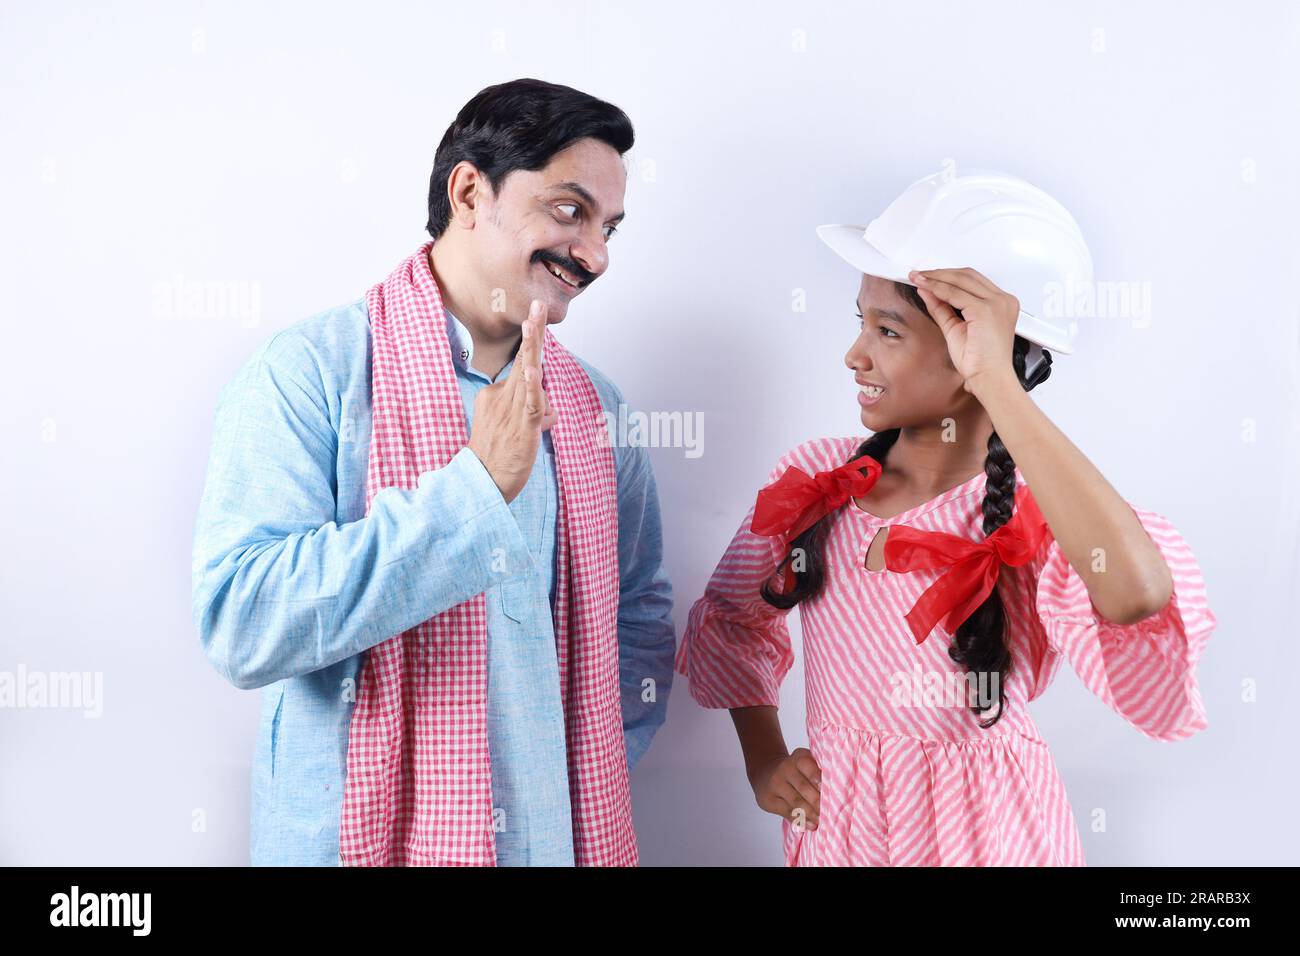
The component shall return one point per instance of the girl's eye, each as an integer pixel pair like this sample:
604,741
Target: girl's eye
862,323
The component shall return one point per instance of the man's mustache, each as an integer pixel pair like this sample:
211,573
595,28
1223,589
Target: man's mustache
568,265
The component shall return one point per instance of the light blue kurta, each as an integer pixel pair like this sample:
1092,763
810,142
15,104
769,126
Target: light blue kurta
293,582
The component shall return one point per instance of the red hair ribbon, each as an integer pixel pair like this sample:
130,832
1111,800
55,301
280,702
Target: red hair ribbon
796,501
973,567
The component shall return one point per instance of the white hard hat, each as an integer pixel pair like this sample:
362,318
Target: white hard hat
1012,232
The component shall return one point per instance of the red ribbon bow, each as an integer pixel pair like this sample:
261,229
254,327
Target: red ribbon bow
973,567
795,502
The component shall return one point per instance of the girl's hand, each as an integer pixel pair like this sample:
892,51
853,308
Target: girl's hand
790,787
977,318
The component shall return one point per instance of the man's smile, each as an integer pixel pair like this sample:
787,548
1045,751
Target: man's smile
566,278
571,277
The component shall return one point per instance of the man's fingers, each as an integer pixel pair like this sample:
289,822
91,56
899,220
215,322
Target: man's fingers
516,376
534,397
549,415
514,381
531,349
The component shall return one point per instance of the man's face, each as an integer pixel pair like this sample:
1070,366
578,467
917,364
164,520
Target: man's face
556,219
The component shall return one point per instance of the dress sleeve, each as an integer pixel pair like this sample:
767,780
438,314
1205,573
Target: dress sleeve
1144,671
735,648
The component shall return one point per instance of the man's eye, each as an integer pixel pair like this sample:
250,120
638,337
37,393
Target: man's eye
609,232
569,205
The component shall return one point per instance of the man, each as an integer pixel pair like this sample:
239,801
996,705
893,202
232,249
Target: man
351,544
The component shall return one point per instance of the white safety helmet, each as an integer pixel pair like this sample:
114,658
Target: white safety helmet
1009,230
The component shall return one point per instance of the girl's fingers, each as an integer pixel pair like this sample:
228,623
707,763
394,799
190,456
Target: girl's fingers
796,785
806,764
801,810
954,295
808,791
968,279
796,813
944,314
789,804
793,807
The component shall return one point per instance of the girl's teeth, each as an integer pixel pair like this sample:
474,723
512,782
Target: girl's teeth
871,390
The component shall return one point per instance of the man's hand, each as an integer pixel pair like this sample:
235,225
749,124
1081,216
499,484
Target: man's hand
510,415
790,787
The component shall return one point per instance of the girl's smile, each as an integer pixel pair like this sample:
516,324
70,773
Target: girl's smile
869,394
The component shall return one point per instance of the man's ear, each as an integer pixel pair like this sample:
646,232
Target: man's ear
465,189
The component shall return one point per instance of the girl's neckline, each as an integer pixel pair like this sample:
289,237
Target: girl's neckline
971,484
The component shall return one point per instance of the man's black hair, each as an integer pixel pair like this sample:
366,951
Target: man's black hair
519,125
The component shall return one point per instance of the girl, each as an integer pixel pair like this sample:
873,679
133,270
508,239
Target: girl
945,566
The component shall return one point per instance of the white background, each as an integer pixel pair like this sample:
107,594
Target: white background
285,150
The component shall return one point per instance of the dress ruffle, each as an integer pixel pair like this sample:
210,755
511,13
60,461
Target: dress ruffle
1144,671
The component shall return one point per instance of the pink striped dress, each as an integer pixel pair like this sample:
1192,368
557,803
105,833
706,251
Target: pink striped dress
910,779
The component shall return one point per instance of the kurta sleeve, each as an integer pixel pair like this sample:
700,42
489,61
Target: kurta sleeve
1144,671
735,648
280,588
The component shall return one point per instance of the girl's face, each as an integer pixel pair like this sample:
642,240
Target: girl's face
901,349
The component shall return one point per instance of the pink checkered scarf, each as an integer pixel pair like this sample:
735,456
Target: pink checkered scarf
419,784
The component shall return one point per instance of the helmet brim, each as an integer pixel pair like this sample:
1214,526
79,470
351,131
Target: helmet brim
847,243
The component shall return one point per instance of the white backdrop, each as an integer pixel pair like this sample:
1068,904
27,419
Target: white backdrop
182,180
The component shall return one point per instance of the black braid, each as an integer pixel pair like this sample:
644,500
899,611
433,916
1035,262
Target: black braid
980,642
805,551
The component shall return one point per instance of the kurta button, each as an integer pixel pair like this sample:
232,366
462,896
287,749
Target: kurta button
464,354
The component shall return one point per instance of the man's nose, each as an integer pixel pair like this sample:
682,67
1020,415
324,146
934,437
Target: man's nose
591,253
